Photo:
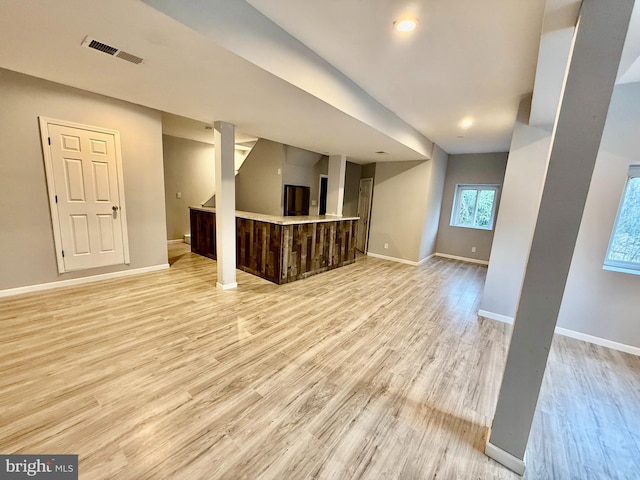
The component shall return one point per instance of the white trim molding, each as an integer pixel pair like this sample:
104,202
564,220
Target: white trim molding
598,341
177,240
505,458
80,281
415,264
227,286
401,260
571,333
428,257
393,259
462,259
495,316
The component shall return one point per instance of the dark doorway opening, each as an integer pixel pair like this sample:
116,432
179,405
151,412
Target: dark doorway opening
322,204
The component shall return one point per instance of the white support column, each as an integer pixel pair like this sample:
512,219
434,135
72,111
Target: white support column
225,204
599,39
335,184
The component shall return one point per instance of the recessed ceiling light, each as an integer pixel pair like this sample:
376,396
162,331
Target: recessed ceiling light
406,24
466,123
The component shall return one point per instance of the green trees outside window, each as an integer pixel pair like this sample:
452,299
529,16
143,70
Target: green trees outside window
474,206
624,245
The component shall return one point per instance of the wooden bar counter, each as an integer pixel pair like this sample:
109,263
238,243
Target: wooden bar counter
277,248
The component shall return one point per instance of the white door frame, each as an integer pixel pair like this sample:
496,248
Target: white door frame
51,188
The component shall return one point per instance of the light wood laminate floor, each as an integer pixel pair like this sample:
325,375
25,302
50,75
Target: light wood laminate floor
376,370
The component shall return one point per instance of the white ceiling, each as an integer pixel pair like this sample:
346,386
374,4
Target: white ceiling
560,18
629,71
183,127
329,76
466,59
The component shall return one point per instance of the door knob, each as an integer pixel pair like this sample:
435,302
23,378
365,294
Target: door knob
115,208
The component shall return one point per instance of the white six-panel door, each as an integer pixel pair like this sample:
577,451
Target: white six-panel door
84,178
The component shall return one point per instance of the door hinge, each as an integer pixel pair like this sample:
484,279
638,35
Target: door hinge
62,253
56,198
49,139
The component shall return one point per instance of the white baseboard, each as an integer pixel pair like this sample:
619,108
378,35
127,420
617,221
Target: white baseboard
571,333
598,341
415,264
227,286
80,281
177,240
463,259
426,258
393,259
495,316
505,458
401,260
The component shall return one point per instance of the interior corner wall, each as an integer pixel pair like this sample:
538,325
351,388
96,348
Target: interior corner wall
351,189
259,183
480,168
435,192
298,166
26,238
399,209
596,302
599,302
189,169
519,204
368,170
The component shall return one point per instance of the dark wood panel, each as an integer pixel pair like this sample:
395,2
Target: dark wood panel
311,248
203,233
259,248
280,253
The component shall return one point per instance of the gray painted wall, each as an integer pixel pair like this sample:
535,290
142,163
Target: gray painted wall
487,168
300,156
596,302
435,191
368,171
519,203
298,166
258,183
599,302
189,168
404,202
26,239
259,187
351,189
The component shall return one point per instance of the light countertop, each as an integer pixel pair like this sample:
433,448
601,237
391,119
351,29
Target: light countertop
281,219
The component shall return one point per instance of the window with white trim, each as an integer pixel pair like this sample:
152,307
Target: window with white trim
623,253
474,206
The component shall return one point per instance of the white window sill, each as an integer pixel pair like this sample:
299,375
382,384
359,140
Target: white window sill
472,228
630,271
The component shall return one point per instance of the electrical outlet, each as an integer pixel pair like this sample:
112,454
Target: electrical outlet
178,194
386,245
279,171
473,249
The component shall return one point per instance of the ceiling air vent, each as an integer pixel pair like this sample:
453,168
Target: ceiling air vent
128,57
110,50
